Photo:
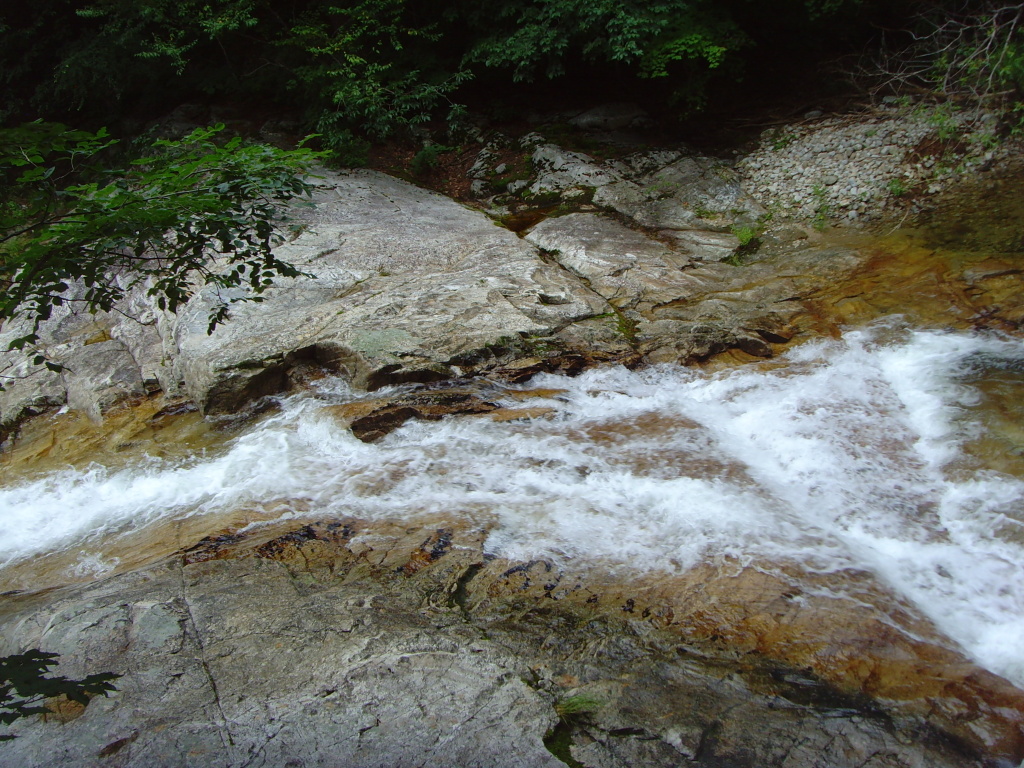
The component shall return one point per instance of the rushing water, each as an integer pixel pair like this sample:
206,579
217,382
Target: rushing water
890,450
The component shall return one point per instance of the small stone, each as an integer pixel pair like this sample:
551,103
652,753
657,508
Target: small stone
829,179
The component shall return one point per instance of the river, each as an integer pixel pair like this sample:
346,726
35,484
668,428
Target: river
893,450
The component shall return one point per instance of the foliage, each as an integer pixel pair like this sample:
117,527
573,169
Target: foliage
424,161
532,38
576,706
970,53
745,234
822,208
72,231
24,686
897,187
781,139
363,70
357,69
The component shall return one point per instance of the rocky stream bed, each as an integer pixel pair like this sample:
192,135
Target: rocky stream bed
359,616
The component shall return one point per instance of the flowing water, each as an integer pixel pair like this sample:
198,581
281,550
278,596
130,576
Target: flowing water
894,448
891,450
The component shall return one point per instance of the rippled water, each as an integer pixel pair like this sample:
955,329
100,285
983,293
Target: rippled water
890,450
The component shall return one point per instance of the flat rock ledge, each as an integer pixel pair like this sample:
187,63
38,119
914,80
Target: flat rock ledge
394,644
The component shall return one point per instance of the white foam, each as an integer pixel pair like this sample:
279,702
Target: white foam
837,458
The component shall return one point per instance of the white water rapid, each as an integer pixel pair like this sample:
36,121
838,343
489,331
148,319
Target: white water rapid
853,453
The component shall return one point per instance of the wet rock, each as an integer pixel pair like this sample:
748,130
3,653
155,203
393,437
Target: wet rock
398,644
426,406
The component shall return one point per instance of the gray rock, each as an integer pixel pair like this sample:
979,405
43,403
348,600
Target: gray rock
705,246
690,193
396,645
479,188
28,389
559,169
408,284
99,372
624,266
229,676
517,186
99,376
483,165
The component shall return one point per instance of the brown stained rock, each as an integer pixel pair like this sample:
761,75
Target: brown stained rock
61,709
866,645
514,414
365,641
383,421
372,419
427,406
904,274
569,364
538,392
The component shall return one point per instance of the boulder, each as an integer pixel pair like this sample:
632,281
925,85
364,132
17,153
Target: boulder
409,285
690,193
559,170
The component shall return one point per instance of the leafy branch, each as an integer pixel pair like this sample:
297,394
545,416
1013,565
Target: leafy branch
193,212
967,52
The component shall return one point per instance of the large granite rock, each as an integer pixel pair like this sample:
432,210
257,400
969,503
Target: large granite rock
402,644
408,285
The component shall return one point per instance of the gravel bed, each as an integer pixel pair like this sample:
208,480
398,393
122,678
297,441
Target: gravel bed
867,168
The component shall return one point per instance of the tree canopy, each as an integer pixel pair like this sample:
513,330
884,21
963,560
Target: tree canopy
359,70
363,68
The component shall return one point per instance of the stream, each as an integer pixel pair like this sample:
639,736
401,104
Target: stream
893,450
885,444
